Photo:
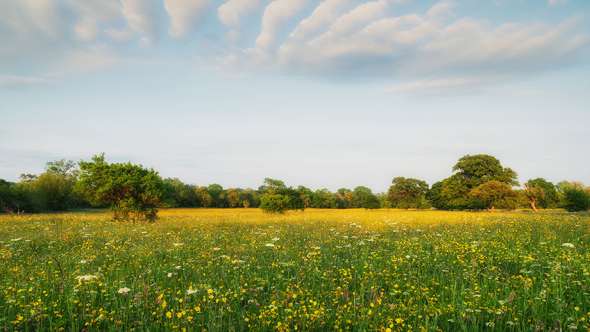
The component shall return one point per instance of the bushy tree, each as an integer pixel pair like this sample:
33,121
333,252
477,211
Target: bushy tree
494,194
6,196
344,198
323,199
575,197
276,197
406,193
132,191
471,171
363,197
274,203
217,195
541,193
481,168
204,199
178,194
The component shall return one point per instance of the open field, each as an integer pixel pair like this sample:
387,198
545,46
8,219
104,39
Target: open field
241,269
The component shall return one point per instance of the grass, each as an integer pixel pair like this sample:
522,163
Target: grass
225,270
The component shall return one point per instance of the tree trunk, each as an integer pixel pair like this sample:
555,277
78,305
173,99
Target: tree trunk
534,205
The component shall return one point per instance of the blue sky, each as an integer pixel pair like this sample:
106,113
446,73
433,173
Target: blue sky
331,93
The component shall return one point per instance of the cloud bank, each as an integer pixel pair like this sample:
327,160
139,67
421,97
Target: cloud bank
414,48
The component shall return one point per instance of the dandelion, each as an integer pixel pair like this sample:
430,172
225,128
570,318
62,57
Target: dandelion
568,245
123,290
178,244
216,248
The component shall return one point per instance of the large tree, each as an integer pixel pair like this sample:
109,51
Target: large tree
276,197
494,194
541,193
132,191
470,172
363,197
406,193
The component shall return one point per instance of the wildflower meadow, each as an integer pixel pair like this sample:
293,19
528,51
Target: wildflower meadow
234,270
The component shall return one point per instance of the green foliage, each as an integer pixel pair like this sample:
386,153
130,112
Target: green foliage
541,193
274,203
178,194
276,197
406,193
471,171
344,198
132,192
323,199
363,197
576,199
494,194
481,168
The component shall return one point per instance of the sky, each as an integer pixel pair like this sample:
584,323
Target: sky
322,93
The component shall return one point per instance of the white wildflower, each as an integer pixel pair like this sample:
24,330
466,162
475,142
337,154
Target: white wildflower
191,291
123,290
169,274
86,277
270,245
568,245
275,239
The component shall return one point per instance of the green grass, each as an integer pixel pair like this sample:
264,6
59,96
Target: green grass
225,270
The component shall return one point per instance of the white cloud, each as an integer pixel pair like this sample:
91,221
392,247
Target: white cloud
184,14
367,42
276,14
142,18
324,14
231,12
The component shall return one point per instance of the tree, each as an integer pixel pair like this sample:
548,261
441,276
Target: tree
323,199
132,191
470,171
541,193
232,196
217,195
204,199
276,197
406,193
494,194
481,168
6,196
178,194
274,203
344,198
363,197
575,198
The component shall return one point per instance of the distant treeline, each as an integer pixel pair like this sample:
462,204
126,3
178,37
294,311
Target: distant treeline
477,182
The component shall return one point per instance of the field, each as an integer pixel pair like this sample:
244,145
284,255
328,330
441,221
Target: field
226,270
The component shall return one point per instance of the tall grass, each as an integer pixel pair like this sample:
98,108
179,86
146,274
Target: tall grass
224,270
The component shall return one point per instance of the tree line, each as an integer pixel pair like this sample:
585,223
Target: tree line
477,182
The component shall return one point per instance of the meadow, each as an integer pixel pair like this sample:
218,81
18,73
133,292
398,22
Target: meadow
242,269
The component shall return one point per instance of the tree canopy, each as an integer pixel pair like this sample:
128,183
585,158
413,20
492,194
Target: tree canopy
132,191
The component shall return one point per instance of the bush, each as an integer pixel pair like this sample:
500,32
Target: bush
274,203
131,191
576,199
